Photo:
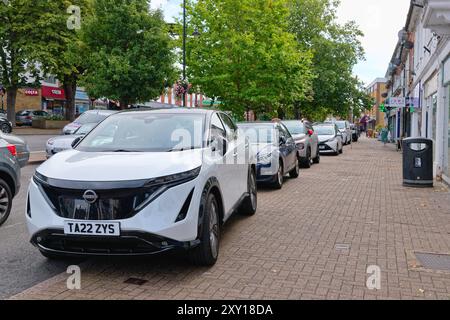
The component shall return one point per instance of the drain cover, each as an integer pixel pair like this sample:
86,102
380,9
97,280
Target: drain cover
434,261
342,247
136,281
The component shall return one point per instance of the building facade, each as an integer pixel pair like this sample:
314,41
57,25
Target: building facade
419,73
376,90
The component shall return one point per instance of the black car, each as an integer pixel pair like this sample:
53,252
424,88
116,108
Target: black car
5,124
276,151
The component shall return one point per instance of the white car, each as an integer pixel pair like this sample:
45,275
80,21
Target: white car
91,116
344,128
144,182
63,143
330,138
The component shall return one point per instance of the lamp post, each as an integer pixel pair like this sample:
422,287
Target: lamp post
184,50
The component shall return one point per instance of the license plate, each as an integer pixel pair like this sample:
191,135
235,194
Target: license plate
321,147
88,228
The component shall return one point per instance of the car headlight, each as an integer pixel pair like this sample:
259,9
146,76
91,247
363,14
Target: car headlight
265,158
301,146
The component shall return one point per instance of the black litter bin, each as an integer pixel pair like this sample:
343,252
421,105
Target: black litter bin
418,162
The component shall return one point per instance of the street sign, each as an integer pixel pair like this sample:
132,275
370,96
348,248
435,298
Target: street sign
397,102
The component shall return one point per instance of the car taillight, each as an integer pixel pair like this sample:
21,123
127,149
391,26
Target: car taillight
28,117
12,149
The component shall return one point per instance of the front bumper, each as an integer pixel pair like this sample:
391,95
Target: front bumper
128,244
328,147
266,173
159,219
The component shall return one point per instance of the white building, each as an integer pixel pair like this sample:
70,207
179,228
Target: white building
429,21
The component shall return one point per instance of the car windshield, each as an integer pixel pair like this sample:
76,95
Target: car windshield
324,130
340,124
86,128
149,132
259,134
90,117
295,127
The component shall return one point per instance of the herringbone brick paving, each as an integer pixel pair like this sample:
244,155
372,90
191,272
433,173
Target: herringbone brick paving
312,240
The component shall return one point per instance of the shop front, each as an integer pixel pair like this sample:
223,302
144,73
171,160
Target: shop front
82,102
53,100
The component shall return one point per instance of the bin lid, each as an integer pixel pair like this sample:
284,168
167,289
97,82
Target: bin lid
418,140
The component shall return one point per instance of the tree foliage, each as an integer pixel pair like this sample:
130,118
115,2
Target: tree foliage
337,49
130,51
25,49
244,55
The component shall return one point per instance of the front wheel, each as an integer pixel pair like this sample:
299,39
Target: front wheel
279,177
5,201
306,162
6,128
207,252
294,173
316,160
250,203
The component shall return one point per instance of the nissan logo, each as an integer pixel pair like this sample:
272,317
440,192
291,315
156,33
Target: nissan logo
90,196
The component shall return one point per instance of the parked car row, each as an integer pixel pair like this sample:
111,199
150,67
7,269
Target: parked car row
143,182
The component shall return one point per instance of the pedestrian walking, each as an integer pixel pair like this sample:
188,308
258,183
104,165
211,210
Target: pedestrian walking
384,135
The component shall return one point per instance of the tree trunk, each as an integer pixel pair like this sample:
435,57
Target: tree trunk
297,111
70,88
11,104
124,103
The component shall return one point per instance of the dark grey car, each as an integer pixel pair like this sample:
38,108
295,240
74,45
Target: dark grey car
26,117
9,178
23,152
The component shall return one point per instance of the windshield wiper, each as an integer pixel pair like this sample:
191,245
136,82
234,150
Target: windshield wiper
181,149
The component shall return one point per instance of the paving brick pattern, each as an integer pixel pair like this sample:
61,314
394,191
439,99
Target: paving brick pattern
312,240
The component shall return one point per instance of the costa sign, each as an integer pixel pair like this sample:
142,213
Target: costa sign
31,92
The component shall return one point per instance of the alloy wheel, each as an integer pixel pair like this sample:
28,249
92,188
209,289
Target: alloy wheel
5,128
4,202
214,229
252,190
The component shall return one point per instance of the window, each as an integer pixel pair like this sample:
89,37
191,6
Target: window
230,127
217,128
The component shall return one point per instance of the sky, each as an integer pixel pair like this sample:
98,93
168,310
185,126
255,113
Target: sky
380,21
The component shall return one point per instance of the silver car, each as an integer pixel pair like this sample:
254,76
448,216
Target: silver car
344,128
307,141
91,116
330,138
26,117
62,143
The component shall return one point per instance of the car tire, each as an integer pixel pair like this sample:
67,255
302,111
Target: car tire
207,252
342,150
306,162
6,199
295,172
316,160
279,177
6,128
250,203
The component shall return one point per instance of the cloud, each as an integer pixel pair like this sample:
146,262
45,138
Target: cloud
380,20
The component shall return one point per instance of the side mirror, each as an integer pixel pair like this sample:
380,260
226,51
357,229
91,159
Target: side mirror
75,142
219,144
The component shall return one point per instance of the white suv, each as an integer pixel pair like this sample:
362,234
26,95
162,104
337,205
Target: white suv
144,182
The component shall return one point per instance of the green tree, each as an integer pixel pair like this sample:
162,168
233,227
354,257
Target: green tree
69,52
336,48
244,55
25,50
130,51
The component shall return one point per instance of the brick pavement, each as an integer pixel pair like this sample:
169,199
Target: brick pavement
295,246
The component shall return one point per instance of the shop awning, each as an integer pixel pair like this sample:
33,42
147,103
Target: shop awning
53,93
